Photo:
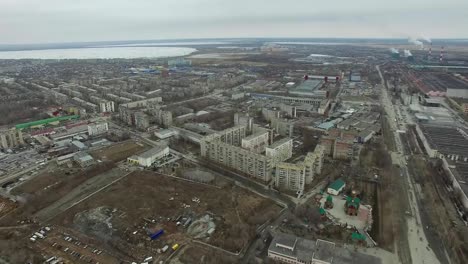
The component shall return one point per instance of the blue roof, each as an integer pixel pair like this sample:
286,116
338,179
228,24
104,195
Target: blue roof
326,125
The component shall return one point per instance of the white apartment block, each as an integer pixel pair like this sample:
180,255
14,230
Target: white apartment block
256,142
106,106
98,129
280,150
296,176
10,138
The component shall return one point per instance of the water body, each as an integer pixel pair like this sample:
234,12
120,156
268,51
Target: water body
98,53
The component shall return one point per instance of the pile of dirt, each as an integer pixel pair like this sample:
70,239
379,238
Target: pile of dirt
202,227
95,221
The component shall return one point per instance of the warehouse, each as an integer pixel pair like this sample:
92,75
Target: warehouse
146,159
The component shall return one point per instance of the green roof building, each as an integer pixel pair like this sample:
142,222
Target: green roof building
336,187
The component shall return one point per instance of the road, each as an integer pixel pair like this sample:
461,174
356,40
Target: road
420,252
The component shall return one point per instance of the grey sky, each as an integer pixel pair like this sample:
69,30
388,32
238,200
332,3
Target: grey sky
43,21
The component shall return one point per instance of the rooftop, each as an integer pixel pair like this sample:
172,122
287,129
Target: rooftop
152,152
279,142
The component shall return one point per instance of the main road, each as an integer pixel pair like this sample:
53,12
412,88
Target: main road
421,253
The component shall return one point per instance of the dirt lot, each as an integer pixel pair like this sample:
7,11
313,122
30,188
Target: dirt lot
48,187
197,254
387,212
123,215
119,151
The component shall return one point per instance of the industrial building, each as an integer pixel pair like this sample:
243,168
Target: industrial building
146,159
281,150
98,129
291,249
83,159
286,248
11,138
309,88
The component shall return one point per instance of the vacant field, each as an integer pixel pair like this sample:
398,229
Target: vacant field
119,151
48,187
386,212
198,254
145,202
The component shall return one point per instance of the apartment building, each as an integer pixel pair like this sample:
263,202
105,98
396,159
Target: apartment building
98,129
280,151
106,106
224,148
10,138
295,176
256,142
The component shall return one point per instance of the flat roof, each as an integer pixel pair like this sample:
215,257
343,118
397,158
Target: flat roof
307,86
279,142
153,151
447,140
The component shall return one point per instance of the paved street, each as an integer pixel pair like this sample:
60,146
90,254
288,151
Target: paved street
418,242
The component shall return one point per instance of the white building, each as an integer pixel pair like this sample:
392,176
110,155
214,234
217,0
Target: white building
106,106
295,176
164,133
256,142
146,159
98,129
10,138
280,150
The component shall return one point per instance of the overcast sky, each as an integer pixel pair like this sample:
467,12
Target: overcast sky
45,21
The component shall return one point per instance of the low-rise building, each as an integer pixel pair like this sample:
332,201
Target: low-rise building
83,159
291,249
336,187
146,159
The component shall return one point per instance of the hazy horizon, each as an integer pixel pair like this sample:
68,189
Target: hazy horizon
65,21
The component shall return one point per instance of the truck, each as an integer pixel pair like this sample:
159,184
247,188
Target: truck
175,247
157,234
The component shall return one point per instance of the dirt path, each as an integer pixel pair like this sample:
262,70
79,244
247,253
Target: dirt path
80,193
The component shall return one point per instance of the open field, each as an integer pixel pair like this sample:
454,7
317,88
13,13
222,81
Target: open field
198,254
122,215
48,187
119,151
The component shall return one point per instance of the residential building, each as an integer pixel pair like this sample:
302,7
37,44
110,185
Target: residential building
11,138
162,117
106,106
141,120
146,159
256,142
296,176
280,150
224,148
98,129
